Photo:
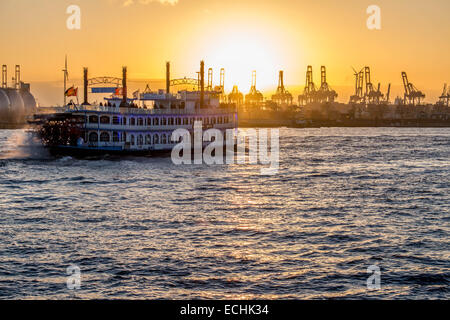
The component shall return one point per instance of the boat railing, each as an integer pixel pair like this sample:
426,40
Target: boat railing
148,111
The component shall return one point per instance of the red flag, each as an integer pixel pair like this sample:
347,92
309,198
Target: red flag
71,92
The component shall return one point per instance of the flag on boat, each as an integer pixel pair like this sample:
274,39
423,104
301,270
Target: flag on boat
118,91
71,92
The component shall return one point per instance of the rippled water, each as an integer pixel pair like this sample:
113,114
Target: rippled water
344,199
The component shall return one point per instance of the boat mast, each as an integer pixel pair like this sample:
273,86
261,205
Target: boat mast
66,76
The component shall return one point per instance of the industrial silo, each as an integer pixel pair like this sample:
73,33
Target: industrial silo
17,107
5,107
28,99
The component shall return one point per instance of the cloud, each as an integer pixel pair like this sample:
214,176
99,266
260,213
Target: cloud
127,3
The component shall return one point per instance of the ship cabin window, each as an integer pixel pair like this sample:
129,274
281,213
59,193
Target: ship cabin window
140,122
149,121
148,139
178,121
185,121
164,139
104,137
93,137
132,140
116,137
163,121
170,121
116,120
219,119
206,120
124,136
93,119
156,121
140,140
104,120
124,121
173,106
191,120
213,120
155,139
182,105
225,119
132,121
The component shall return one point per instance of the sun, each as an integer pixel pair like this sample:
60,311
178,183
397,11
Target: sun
240,53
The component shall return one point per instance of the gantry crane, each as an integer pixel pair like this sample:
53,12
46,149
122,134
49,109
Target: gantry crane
236,96
411,93
282,96
254,97
308,95
358,97
445,96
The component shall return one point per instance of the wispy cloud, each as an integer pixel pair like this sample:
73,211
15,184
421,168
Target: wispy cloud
127,3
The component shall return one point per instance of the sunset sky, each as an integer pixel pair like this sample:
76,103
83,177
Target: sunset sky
239,35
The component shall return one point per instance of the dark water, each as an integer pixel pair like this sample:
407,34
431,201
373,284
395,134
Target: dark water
344,199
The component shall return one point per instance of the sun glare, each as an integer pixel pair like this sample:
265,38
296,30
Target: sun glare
240,54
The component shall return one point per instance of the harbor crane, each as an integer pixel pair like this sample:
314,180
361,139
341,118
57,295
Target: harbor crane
282,96
358,97
445,96
254,97
411,93
371,96
236,96
309,92
325,94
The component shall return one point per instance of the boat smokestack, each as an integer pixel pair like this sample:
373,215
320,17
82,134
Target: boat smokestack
124,86
85,86
167,77
202,83
4,76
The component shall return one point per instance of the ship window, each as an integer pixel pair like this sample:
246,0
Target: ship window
149,121
124,121
148,139
155,139
164,139
132,121
140,122
104,120
213,120
116,137
170,121
178,121
219,120
185,121
140,140
163,121
206,120
104,137
191,120
115,120
93,119
156,121
132,140
124,136
93,137
182,105
225,120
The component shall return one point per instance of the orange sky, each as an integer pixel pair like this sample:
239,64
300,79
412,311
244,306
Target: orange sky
240,36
